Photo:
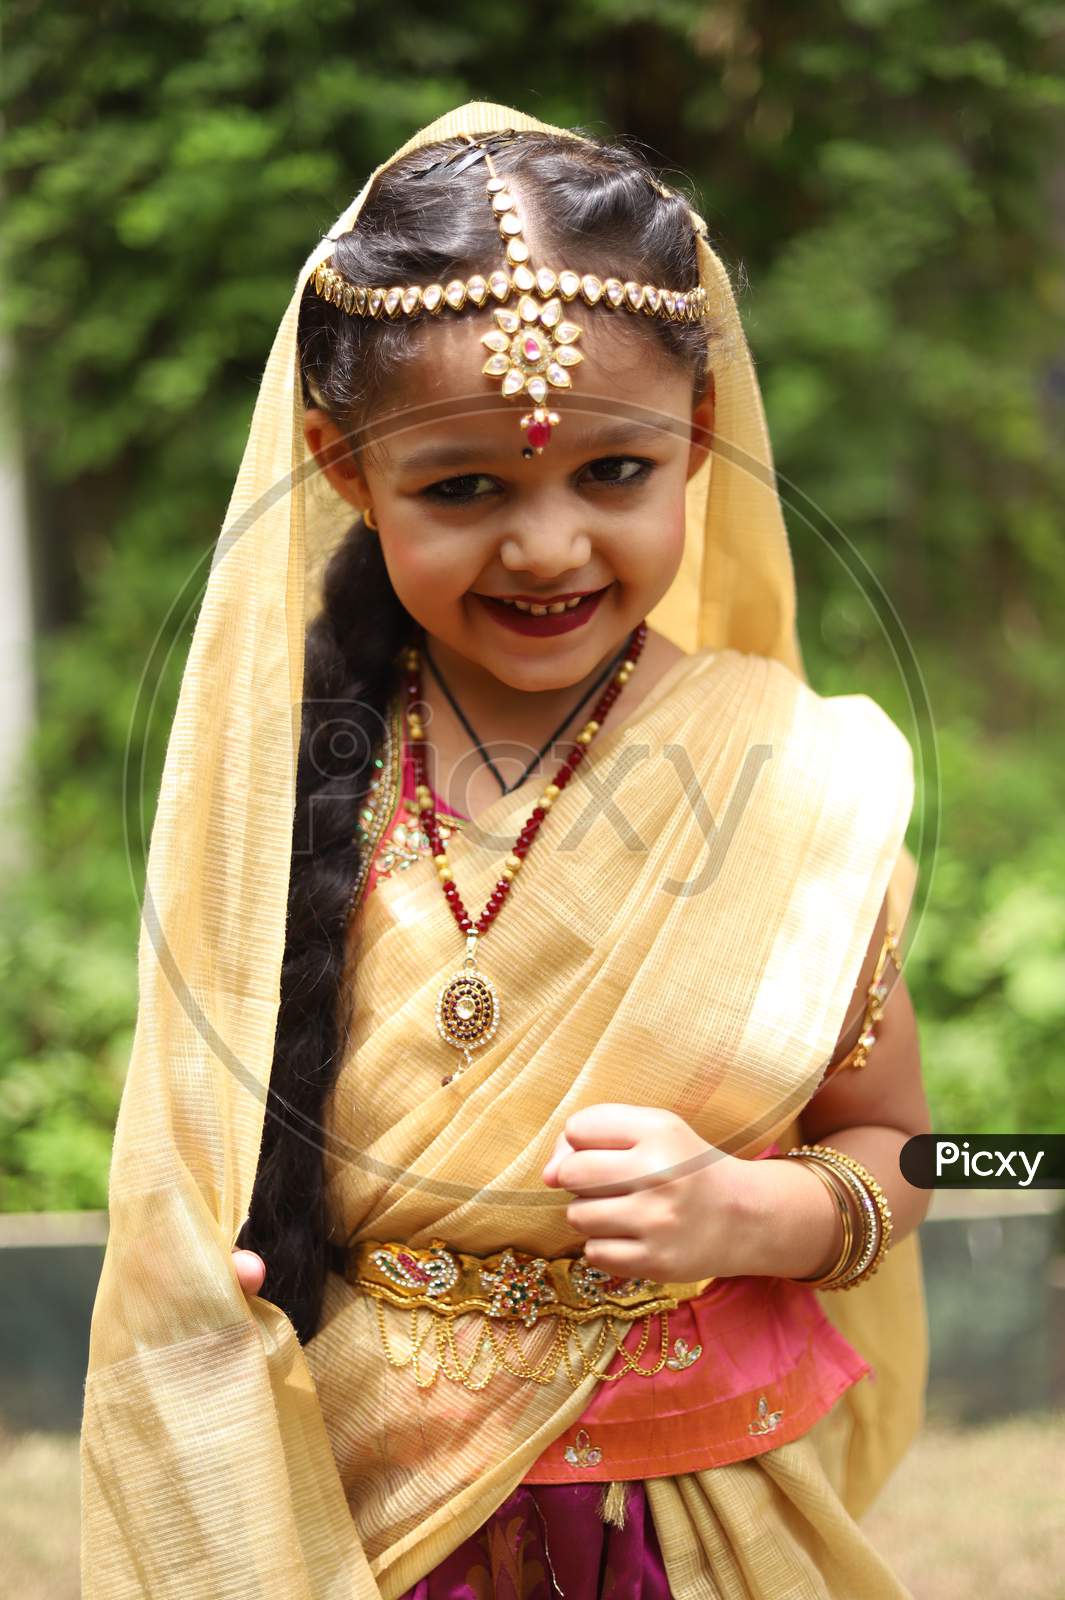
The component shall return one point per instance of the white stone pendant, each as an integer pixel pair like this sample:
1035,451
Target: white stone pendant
467,1009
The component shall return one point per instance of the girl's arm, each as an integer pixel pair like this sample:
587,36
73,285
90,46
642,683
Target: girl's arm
868,1113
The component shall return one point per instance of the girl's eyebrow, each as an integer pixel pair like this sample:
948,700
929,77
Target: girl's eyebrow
431,456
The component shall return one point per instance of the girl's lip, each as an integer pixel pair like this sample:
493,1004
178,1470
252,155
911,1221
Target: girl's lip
541,627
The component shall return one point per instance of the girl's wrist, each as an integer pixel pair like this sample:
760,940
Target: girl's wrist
792,1225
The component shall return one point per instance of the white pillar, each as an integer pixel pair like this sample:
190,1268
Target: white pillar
17,689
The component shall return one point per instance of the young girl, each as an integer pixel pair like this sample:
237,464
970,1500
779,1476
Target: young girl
563,937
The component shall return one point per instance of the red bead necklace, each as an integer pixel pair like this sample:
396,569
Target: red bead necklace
467,1007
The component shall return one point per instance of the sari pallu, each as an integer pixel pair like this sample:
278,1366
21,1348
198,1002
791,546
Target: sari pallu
722,1004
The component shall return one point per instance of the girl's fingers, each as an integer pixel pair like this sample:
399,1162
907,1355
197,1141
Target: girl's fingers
250,1269
609,1126
625,1258
605,1219
602,1172
562,1148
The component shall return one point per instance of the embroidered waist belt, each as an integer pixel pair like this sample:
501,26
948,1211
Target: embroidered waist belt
501,1291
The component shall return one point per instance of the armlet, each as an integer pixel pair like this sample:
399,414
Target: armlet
875,996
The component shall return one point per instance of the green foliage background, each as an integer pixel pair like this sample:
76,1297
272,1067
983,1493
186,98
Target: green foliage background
885,178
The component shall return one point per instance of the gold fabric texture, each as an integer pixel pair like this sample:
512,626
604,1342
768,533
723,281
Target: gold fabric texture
219,1458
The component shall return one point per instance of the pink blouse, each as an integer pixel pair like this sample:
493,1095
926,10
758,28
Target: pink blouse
753,1362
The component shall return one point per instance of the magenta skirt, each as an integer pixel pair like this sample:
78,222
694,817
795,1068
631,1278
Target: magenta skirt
547,1540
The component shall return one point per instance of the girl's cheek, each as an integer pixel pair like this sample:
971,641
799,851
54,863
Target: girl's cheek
431,572
413,555
668,546
643,555
408,574
678,531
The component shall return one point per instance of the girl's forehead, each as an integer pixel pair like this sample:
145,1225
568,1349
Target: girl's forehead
625,385
493,439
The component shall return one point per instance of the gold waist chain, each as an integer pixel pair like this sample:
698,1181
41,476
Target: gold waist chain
506,1291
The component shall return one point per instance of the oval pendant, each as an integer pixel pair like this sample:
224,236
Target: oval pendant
467,1009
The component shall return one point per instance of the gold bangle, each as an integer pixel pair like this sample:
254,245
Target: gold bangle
847,1211
886,1226
860,1211
874,1208
872,1230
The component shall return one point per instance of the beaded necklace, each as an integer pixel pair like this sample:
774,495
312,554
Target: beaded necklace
468,1004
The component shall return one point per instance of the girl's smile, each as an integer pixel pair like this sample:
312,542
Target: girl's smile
542,618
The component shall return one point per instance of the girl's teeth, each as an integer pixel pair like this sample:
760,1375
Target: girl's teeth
542,611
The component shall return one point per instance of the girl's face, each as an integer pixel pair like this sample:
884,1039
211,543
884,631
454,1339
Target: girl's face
466,524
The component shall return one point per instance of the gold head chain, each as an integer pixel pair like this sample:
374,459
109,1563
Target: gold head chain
533,345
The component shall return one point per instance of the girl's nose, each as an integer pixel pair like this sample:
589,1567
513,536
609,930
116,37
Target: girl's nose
546,548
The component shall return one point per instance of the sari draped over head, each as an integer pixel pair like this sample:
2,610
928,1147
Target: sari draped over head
687,934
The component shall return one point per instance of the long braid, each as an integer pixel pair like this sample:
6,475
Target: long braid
348,679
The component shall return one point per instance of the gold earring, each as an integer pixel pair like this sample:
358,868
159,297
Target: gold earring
368,518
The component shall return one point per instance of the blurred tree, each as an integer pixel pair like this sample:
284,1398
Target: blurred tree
881,173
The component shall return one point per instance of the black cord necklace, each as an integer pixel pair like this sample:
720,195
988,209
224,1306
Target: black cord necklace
485,757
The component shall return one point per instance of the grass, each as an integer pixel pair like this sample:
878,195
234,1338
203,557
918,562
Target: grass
39,1516
975,1510
978,1511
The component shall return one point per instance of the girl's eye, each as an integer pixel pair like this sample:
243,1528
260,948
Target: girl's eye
613,463
456,489
609,471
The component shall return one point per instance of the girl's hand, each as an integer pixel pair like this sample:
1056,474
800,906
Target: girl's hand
250,1270
653,1199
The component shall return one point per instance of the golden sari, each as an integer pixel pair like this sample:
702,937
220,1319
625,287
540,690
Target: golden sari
692,945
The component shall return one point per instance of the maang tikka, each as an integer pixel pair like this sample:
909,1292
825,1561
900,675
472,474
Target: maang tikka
533,345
